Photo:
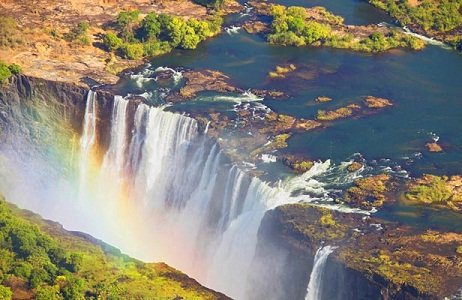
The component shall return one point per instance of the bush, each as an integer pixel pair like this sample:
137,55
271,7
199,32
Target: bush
132,51
111,41
154,48
45,292
126,21
430,15
5,72
79,34
5,293
433,190
150,27
15,69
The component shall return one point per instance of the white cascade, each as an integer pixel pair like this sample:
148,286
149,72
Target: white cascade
115,156
315,284
88,139
187,204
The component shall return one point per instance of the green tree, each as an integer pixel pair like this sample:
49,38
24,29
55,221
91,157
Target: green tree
46,292
132,51
150,27
111,41
5,293
126,21
315,31
176,30
15,69
190,39
5,72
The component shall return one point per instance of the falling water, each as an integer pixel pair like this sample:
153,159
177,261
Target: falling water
182,201
88,138
315,284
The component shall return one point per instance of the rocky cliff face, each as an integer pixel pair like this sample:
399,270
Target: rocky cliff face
26,99
374,259
59,108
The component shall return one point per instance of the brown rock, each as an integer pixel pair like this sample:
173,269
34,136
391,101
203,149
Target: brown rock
375,102
322,99
433,147
354,166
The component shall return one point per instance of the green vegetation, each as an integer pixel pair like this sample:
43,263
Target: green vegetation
459,249
430,189
6,71
79,34
40,260
292,26
440,16
157,34
10,35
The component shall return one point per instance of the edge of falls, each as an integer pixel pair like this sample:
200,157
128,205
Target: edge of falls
187,202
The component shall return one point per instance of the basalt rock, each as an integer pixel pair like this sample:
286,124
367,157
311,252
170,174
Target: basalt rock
434,147
369,192
374,259
375,102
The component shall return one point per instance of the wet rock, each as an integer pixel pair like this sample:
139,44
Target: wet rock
375,102
281,71
354,166
254,27
339,113
205,80
368,192
322,99
297,163
374,259
433,147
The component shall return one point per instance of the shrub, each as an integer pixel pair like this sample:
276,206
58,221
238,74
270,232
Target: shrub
5,293
79,34
45,292
132,51
5,72
15,69
111,41
150,27
432,190
154,48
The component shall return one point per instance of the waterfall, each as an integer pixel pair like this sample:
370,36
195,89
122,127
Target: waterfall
88,139
315,284
166,193
115,155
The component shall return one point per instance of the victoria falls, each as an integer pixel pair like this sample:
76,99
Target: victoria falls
221,149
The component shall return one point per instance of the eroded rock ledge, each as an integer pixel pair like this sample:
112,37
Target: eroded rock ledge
374,259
